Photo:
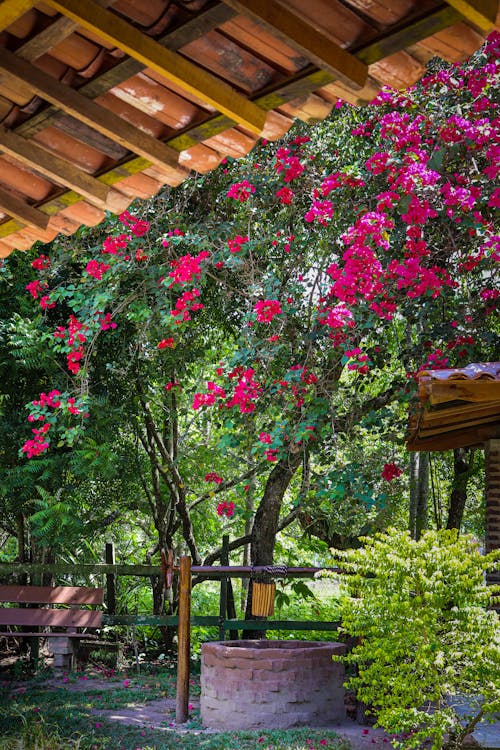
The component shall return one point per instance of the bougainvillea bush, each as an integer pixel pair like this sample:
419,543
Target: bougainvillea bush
287,300
427,647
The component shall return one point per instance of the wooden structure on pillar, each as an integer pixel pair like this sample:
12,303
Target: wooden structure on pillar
460,408
104,101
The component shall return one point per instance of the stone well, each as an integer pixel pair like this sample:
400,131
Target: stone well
271,684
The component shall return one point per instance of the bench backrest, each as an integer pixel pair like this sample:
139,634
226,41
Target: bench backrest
71,596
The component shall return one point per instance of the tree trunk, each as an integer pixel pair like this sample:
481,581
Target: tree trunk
265,526
246,559
462,470
419,493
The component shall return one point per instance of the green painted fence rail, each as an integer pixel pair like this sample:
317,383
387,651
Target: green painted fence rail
216,622
85,569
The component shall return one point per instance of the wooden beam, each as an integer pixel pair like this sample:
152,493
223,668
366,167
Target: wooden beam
410,32
460,412
206,21
170,65
430,430
11,10
174,39
464,390
51,166
21,211
451,440
482,13
51,36
40,44
308,40
89,112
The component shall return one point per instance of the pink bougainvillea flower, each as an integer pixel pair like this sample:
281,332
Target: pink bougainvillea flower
320,211
187,268
172,384
285,195
267,309
96,269
391,471
246,392
212,476
105,321
113,245
241,191
166,343
41,263
271,454
138,227
235,245
208,399
35,287
225,509
45,302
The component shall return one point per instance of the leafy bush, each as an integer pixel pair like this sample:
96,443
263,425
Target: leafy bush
428,655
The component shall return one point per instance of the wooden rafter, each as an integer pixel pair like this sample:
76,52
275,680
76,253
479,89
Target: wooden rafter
309,40
412,32
11,10
170,65
482,13
92,114
46,39
207,20
53,167
51,36
21,211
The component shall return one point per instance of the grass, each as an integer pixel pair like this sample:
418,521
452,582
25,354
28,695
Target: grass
62,716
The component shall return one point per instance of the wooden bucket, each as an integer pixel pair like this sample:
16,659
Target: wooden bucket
263,599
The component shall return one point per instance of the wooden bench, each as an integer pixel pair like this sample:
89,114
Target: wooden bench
68,619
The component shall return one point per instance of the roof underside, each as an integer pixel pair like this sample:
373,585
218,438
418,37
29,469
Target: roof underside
457,408
102,102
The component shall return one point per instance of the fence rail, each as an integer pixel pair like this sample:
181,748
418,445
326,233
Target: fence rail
217,622
225,621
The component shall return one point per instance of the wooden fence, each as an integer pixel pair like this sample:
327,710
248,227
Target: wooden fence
184,620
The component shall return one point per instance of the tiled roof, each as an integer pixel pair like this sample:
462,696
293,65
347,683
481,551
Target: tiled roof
474,371
457,408
102,102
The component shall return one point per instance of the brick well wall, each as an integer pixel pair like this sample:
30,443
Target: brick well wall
271,684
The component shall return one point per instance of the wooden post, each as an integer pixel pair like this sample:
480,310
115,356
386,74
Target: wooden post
493,506
110,580
183,640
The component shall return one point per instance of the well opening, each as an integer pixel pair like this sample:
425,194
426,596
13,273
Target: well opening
271,684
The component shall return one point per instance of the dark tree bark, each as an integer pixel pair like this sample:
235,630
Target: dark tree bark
266,522
463,460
